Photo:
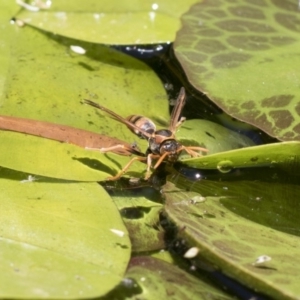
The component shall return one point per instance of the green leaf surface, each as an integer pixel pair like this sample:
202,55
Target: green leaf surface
283,155
211,136
49,158
37,88
140,213
115,80
156,279
57,240
245,57
7,32
237,222
112,22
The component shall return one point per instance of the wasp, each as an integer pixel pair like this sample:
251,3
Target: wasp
162,143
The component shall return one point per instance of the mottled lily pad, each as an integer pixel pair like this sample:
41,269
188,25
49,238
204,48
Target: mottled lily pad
235,224
245,57
141,217
151,278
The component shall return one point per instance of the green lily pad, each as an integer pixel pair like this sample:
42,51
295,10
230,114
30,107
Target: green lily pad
141,217
58,240
155,279
7,9
111,22
49,158
40,90
245,57
283,155
248,229
211,136
145,231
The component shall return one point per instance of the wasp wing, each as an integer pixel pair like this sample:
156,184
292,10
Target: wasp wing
180,102
117,117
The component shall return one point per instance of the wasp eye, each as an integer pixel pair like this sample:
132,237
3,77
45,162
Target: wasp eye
170,146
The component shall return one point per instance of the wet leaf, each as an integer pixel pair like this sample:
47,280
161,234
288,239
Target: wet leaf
49,158
153,278
238,222
211,136
39,89
111,22
56,239
282,155
142,219
7,32
245,57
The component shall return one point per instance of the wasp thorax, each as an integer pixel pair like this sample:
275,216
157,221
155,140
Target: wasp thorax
143,123
166,133
158,138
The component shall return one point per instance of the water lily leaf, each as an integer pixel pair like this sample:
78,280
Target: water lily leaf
283,155
59,241
49,158
111,23
142,218
144,228
40,90
247,228
211,136
245,57
154,278
7,9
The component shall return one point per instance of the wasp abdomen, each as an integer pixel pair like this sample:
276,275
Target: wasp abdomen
143,123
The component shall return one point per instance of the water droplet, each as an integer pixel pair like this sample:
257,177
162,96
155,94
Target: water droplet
225,166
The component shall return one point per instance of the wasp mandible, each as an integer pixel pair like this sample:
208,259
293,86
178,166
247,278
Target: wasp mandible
162,144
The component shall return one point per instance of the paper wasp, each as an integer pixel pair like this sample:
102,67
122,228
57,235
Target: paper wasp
162,144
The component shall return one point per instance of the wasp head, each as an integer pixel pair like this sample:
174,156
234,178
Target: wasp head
170,147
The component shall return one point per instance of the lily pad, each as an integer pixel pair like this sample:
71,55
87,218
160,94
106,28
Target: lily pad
110,22
49,158
245,57
58,240
141,217
40,90
283,155
7,32
211,136
152,278
236,224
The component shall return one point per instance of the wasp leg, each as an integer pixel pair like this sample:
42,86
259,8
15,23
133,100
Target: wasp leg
108,149
149,163
161,158
179,123
138,158
191,152
196,148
